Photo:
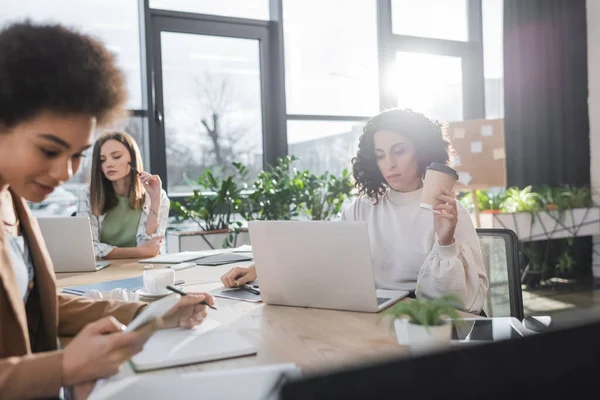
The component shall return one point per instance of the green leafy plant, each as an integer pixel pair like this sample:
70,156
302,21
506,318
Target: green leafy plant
214,206
426,312
275,195
490,201
323,195
521,200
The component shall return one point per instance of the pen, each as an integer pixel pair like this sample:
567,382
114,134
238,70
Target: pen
250,289
136,170
172,289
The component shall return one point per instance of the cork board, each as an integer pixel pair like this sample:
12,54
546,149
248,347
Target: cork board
480,153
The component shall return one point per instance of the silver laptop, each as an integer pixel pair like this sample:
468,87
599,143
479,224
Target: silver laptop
69,242
320,264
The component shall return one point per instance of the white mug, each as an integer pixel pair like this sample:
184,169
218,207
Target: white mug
156,281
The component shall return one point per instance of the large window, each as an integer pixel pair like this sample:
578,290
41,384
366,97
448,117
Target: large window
438,19
115,22
430,84
492,11
331,57
252,9
324,145
213,109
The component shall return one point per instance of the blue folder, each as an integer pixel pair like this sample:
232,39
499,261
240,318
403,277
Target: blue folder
131,284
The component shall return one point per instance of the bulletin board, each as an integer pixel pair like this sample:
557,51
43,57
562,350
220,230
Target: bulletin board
480,153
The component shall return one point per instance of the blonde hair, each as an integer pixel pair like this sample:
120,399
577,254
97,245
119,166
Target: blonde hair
102,193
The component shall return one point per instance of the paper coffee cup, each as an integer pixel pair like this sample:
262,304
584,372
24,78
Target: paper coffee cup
437,175
156,281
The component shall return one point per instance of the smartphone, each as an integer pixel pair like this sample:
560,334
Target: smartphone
156,309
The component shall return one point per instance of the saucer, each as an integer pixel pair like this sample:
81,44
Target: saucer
143,293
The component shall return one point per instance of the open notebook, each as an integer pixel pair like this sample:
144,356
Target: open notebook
173,347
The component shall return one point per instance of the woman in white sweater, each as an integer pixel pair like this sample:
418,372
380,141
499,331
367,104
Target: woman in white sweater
412,248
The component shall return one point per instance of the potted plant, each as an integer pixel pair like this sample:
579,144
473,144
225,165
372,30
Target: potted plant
490,202
213,209
424,324
322,196
275,193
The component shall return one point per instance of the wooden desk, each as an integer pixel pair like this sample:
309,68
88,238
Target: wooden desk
312,338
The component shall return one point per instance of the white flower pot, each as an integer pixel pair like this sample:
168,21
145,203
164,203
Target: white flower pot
421,339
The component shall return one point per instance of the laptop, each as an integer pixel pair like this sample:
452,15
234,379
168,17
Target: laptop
69,242
319,264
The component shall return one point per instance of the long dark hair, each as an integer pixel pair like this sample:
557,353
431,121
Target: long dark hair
102,193
428,137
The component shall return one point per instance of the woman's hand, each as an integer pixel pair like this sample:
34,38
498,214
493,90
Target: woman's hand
188,312
151,183
446,217
238,276
150,248
100,348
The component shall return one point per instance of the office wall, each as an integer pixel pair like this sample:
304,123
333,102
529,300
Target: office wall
593,43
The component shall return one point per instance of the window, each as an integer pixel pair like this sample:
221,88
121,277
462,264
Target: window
115,22
331,57
323,145
252,9
492,16
430,84
213,106
438,19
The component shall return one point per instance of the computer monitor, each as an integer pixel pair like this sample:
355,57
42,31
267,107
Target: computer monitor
554,365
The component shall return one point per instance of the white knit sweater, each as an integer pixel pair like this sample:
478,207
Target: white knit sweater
406,254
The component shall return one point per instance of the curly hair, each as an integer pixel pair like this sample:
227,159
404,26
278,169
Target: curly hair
428,137
46,67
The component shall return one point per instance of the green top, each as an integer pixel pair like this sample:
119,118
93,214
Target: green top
120,225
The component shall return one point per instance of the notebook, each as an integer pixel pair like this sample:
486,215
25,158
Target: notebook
173,347
236,294
131,284
222,259
259,382
184,256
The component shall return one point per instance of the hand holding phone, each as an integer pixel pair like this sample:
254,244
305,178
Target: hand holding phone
157,309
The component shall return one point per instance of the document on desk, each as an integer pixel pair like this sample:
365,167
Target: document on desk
236,294
173,347
184,256
248,383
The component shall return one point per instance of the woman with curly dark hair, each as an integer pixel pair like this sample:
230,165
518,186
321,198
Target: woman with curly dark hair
412,248
56,87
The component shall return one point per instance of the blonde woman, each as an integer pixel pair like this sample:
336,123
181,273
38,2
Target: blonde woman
127,207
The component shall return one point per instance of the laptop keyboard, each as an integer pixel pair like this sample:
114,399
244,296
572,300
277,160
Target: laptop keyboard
381,300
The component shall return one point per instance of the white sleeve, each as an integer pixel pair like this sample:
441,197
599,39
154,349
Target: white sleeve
84,210
352,212
457,268
163,220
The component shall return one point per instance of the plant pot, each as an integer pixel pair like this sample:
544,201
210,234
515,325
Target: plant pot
422,339
178,241
491,212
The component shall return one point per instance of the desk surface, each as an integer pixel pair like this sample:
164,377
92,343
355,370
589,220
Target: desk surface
312,338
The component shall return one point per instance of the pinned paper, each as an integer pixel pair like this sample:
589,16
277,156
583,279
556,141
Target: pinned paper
487,130
464,178
476,147
455,161
459,133
499,154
